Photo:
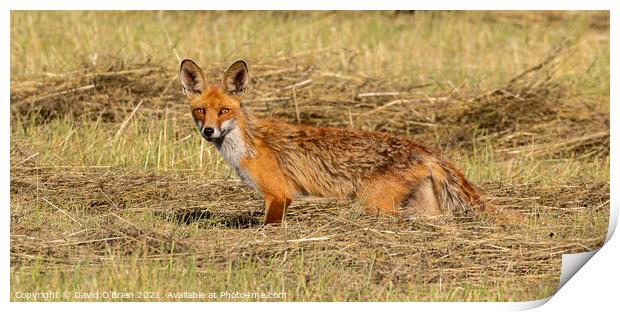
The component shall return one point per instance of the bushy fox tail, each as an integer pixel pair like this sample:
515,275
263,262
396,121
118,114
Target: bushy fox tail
456,195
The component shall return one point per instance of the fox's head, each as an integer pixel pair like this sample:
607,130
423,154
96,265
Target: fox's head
216,108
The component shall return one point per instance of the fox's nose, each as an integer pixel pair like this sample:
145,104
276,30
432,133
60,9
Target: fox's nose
208,132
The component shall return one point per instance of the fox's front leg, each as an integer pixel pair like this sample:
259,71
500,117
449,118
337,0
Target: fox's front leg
275,207
265,171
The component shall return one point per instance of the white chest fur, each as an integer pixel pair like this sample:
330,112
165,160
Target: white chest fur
233,149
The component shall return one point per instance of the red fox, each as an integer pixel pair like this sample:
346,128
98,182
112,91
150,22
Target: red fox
389,174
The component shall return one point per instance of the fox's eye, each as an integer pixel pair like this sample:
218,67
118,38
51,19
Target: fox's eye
224,111
200,111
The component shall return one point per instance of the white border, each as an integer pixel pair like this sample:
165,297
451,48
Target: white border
594,286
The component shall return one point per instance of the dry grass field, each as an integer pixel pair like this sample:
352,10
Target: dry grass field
112,189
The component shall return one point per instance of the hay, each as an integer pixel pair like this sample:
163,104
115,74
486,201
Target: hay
531,114
421,250
91,93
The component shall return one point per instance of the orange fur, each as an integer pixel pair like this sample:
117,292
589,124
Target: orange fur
390,174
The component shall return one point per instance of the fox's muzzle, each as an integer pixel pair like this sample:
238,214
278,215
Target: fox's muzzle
213,133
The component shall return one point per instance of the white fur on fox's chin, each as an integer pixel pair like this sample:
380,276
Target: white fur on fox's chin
233,148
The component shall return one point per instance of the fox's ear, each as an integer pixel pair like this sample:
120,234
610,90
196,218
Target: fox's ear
236,79
192,78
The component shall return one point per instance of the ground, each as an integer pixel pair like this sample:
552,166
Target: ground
113,190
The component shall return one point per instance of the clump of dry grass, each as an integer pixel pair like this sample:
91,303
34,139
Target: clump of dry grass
92,93
535,114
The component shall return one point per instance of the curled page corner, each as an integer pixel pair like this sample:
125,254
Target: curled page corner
571,263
